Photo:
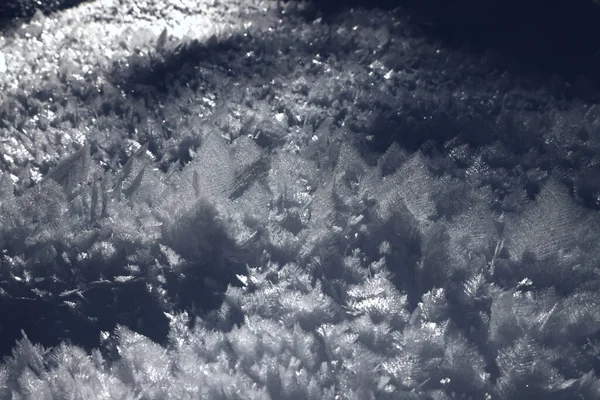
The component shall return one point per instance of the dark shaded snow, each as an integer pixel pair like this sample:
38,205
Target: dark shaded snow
222,199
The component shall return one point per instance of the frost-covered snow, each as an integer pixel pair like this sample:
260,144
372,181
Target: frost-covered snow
228,199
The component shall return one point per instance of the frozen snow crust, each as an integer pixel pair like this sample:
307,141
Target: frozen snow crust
224,200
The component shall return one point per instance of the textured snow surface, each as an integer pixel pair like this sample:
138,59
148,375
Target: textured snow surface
233,199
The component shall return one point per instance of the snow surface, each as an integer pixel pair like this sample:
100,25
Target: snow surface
243,199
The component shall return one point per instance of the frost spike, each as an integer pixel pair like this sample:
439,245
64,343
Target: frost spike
94,199
137,181
162,40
